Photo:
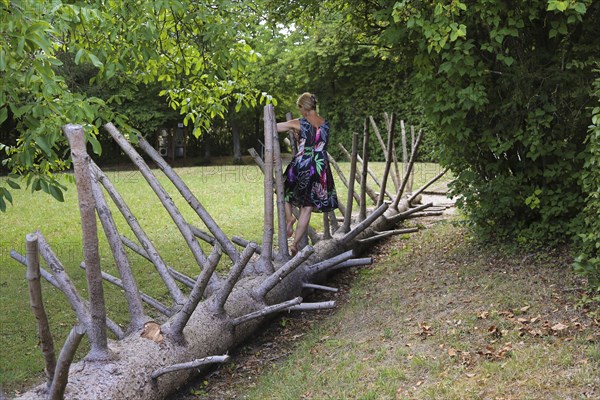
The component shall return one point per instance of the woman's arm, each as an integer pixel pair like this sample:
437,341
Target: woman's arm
287,125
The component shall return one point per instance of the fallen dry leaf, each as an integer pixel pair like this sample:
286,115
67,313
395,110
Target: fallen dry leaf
425,330
559,327
494,331
483,315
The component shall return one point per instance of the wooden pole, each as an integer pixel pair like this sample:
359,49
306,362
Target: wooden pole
343,177
192,200
65,358
162,195
359,178
388,160
132,293
37,305
389,151
282,243
411,163
266,263
87,209
363,184
348,215
161,267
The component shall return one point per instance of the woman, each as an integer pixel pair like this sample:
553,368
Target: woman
308,180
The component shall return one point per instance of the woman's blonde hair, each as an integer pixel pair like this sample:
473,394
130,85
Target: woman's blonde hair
307,101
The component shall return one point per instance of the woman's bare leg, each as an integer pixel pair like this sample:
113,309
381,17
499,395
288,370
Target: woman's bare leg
289,219
303,221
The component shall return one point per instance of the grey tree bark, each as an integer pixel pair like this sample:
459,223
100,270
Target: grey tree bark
96,329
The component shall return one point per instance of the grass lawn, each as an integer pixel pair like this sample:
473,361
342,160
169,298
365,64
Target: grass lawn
232,194
437,316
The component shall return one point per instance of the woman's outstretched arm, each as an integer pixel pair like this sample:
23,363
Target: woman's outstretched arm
287,125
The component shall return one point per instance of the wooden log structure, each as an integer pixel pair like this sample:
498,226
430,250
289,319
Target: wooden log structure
156,359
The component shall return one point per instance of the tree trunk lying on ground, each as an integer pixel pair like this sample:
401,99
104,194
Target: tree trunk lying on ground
153,360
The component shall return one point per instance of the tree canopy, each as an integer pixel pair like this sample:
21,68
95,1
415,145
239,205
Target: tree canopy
195,53
508,91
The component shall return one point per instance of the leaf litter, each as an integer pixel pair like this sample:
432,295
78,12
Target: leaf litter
452,310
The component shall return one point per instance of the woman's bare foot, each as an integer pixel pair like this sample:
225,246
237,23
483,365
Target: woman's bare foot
293,249
290,227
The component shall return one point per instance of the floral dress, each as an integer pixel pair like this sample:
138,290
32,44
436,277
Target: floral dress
308,178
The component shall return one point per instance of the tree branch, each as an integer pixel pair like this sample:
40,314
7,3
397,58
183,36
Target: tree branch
268,284
180,319
97,325
163,196
37,305
129,285
323,305
232,278
192,200
139,233
65,358
266,311
189,365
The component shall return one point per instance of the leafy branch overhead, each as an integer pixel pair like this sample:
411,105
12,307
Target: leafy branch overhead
198,53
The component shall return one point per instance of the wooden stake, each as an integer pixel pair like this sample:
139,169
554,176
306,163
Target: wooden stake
348,215
411,163
145,298
179,320
323,305
80,306
268,284
232,278
37,305
192,200
65,358
431,182
356,230
259,161
63,281
283,253
330,262
132,293
163,196
389,151
87,208
343,177
151,252
363,181
359,178
388,160
178,276
265,264
266,311
319,287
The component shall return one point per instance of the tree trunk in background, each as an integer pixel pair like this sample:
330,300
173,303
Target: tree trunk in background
235,135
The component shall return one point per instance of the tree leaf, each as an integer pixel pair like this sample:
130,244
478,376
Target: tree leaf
95,60
13,184
57,193
42,143
3,114
7,194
